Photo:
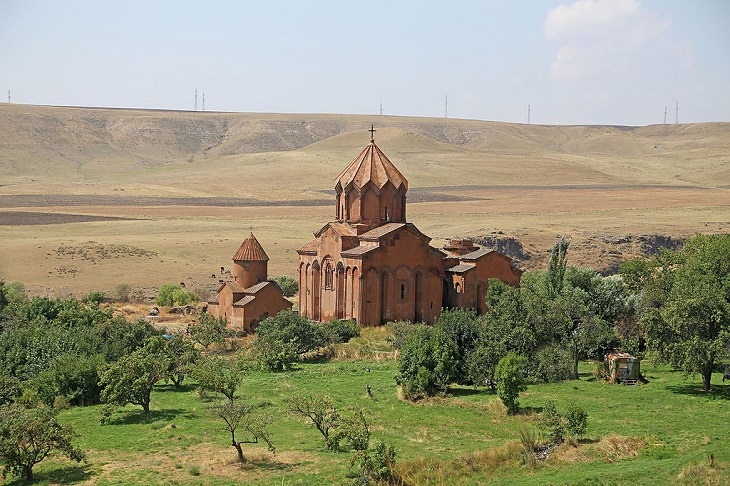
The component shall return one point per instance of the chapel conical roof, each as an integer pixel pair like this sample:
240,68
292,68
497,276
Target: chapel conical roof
371,166
250,251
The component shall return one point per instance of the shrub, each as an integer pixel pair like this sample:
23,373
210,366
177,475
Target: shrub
509,376
288,285
94,297
551,423
340,331
14,291
577,421
555,426
400,330
121,293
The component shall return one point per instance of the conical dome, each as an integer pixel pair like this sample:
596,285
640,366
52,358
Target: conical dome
250,251
371,166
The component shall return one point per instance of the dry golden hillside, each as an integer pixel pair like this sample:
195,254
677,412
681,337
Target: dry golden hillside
160,196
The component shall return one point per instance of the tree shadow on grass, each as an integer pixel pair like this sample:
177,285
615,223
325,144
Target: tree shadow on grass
135,417
63,475
718,392
170,387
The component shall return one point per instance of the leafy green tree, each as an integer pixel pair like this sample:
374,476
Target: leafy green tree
688,323
427,363
557,266
510,378
288,285
182,356
219,375
74,377
209,330
132,377
13,292
243,417
280,340
323,414
27,436
464,329
3,296
171,294
10,389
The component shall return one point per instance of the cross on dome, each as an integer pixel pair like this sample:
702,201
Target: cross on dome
372,133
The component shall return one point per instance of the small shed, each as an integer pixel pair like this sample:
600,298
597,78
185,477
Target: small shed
623,368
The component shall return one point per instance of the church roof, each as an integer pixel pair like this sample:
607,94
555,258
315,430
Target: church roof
461,268
371,166
247,299
360,250
381,231
310,247
255,288
475,255
341,229
251,251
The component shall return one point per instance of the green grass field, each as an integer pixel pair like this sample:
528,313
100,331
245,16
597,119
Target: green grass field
662,432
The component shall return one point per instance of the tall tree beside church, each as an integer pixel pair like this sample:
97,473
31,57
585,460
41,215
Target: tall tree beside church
689,326
557,265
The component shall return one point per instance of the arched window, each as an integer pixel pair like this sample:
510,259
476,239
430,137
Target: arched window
328,276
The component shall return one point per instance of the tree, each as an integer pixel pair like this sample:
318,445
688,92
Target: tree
13,291
463,328
239,416
218,375
131,379
27,436
427,363
171,294
280,340
557,265
322,412
509,376
688,324
288,285
182,356
209,330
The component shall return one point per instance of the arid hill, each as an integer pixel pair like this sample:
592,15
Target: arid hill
183,188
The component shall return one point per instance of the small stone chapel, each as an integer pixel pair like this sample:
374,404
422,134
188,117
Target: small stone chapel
250,297
371,265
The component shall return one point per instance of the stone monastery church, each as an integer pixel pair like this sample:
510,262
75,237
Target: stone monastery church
371,265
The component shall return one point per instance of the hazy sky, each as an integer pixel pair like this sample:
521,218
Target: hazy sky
575,62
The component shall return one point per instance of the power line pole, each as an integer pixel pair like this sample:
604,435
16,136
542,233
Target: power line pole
528,113
196,99
676,113
446,107
665,114
8,96
203,100
381,108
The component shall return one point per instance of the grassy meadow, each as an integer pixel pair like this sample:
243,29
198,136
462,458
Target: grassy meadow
661,432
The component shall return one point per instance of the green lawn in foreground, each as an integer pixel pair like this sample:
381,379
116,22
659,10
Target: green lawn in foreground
438,438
